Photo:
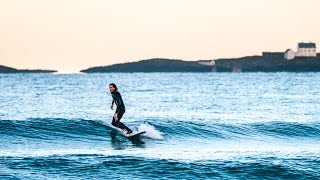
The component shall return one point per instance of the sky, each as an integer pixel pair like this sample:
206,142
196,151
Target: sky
70,35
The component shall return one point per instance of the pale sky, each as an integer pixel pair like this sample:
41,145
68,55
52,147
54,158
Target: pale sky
70,35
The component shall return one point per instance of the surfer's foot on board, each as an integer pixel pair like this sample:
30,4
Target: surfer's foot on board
129,131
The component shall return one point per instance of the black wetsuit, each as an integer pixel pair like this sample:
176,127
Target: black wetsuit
116,96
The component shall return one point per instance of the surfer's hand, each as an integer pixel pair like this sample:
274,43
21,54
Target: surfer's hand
112,107
116,117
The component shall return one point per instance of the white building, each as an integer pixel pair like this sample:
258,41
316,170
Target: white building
289,54
306,50
207,62
303,50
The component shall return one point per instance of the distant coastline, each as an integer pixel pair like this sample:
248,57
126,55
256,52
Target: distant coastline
243,64
152,65
6,69
305,59
267,64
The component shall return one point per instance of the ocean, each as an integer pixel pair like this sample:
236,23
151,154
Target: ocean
198,126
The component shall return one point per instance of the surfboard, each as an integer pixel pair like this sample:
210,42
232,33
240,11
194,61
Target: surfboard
131,135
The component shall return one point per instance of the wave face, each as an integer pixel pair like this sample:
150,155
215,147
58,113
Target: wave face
198,125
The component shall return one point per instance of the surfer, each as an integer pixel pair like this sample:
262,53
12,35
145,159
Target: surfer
116,96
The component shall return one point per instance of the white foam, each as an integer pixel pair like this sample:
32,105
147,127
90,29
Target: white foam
151,131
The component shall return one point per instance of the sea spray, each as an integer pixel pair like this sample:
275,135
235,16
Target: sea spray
151,131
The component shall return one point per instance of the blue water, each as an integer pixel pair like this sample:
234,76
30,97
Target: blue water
199,125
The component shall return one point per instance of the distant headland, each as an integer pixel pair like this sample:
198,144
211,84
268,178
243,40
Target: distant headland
152,65
5,69
305,59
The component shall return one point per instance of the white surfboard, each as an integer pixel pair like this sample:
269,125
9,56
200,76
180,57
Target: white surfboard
133,134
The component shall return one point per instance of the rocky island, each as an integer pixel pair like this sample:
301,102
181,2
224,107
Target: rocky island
244,64
305,59
267,64
5,69
152,65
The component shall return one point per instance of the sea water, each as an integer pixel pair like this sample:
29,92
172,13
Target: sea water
199,125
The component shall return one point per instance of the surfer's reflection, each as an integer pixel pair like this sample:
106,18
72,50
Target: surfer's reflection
119,142
116,142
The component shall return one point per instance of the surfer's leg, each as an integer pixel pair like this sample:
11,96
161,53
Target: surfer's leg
118,123
121,125
114,122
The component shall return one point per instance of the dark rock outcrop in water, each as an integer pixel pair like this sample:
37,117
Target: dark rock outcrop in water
267,64
152,65
5,69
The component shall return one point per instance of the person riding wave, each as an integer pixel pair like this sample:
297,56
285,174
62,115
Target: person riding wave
117,99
